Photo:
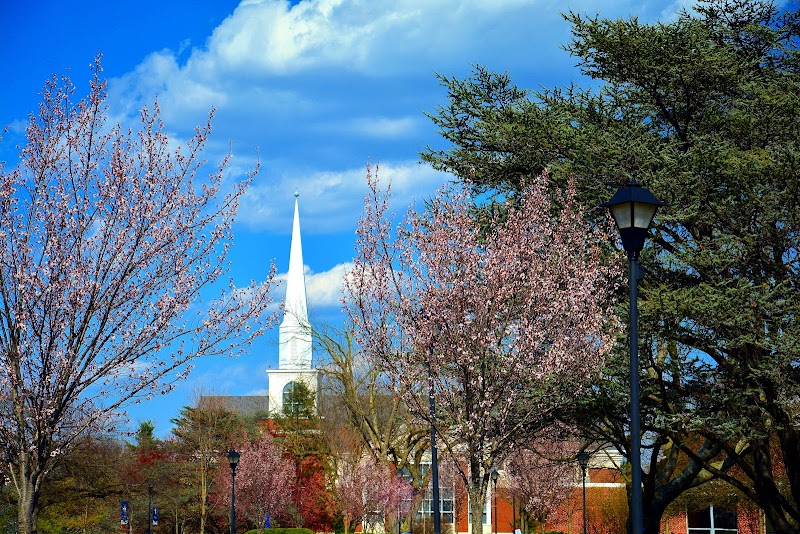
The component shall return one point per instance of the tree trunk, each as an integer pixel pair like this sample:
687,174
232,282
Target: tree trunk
775,513
570,513
789,440
778,521
476,504
651,521
654,504
653,508
28,504
203,492
776,507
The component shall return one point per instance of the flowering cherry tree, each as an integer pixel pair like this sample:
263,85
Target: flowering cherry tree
505,316
368,490
264,481
108,237
542,478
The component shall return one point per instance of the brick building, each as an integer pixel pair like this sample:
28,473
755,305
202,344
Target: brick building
606,509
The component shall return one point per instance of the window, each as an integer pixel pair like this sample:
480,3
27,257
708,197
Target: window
297,400
712,521
446,496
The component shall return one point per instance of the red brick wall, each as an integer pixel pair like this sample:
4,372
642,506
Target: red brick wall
606,511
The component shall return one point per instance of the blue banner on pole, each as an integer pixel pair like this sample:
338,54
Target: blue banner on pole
266,521
155,515
123,513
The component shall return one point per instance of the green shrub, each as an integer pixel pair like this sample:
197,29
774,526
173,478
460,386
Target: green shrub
280,531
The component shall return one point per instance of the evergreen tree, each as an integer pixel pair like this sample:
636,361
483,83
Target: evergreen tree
298,401
202,433
703,111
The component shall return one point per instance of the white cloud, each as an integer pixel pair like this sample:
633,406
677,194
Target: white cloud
273,37
398,36
378,38
250,61
324,289
322,85
375,127
670,12
225,375
331,75
18,127
332,201
160,78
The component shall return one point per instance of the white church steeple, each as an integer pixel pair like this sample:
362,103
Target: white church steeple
294,352
295,337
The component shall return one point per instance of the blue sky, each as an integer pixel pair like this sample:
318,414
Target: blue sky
315,89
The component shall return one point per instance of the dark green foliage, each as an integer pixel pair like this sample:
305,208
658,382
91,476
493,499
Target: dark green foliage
202,434
298,401
85,487
704,111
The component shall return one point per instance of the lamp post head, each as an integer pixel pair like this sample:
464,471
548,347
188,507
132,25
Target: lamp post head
583,460
233,459
494,474
633,208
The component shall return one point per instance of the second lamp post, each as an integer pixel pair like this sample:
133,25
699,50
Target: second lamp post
233,460
583,461
495,475
633,208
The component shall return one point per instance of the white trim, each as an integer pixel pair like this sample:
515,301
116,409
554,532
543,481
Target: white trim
603,485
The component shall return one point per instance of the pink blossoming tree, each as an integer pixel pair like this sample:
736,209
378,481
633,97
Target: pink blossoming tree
108,237
506,317
368,490
542,478
265,481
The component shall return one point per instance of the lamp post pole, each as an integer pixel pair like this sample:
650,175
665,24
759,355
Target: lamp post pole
514,511
633,208
583,460
149,508
437,518
233,460
636,442
494,475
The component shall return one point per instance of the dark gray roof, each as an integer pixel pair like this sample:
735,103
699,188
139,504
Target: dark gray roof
243,405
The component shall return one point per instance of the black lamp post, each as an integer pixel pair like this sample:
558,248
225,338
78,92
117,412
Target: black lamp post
495,475
437,518
633,208
583,461
233,460
514,511
149,509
